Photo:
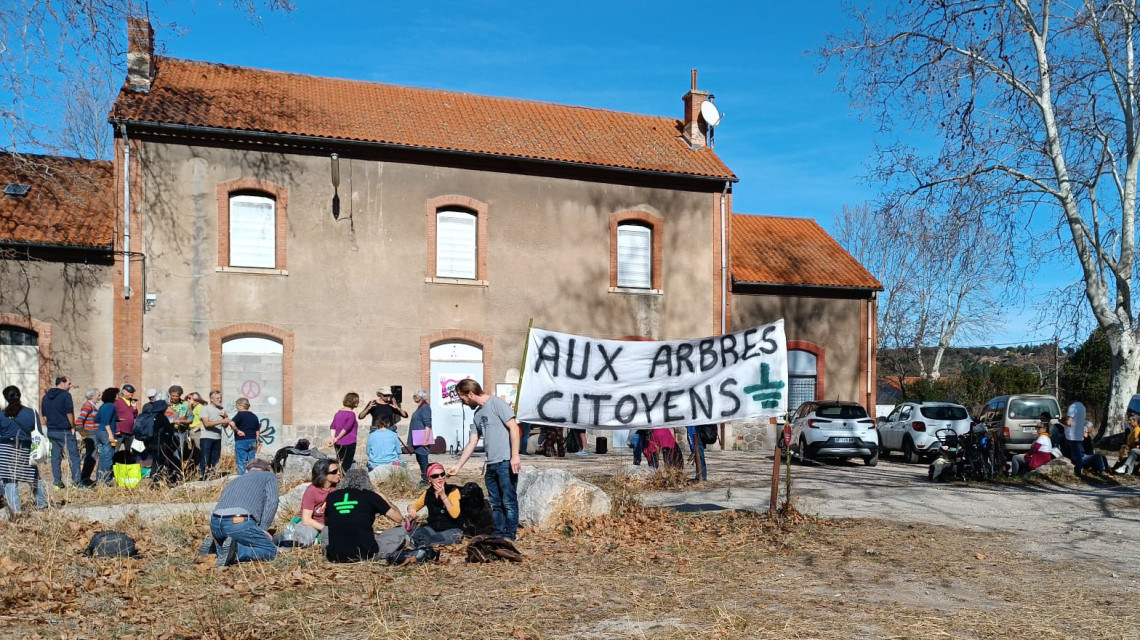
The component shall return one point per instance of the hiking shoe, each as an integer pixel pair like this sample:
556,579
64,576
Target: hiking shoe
59,487
227,554
1121,470
582,453
208,547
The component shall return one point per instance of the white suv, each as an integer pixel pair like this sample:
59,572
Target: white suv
835,430
912,428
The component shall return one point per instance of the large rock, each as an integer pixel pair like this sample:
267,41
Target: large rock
387,472
636,472
297,468
290,501
1057,465
549,495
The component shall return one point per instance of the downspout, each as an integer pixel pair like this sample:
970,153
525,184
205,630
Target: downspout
870,345
126,212
723,260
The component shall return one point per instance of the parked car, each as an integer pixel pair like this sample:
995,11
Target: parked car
1013,420
1133,406
913,426
835,430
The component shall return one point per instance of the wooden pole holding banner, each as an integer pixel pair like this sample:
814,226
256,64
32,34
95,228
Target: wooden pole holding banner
522,367
775,483
522,370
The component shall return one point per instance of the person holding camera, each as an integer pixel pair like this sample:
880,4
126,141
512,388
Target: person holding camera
384,406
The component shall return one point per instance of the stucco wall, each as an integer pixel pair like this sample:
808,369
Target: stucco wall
833,324
74,300
355,296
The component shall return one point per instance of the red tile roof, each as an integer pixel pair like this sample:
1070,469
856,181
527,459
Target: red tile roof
792,251
255,100
71,201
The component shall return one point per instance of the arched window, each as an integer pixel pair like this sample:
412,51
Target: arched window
635,252
456,244
635,256
802,377
253,231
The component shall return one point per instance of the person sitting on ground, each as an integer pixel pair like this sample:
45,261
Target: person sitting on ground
326,476
442,502
1040,453
240,521
383,445
1130,452
1090,459
350,515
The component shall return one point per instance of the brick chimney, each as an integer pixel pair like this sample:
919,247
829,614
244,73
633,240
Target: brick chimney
696,130
140,54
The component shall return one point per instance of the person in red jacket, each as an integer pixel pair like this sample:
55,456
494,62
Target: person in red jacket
1040,453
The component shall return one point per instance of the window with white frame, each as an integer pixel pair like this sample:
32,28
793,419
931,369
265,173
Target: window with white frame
455,249
253,231
634,256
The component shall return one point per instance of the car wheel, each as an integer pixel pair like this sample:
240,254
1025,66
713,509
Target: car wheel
804,455
872,460
910,454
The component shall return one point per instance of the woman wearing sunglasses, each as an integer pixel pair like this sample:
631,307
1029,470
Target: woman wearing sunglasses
442,502
326,475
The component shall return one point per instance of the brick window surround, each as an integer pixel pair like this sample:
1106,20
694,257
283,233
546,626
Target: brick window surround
820,359
43,339
481,340
479,209
254,187
256,330
655,225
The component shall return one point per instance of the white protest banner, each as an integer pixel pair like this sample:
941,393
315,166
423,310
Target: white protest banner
573,380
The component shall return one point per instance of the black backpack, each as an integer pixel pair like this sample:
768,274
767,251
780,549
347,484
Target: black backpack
111,544
708,434
144,425
474,511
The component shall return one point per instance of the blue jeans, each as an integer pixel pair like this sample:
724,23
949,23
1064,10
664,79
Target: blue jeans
244,450
252,542
697,446
504,500
639,446
106,451
211,453
1075,452
422,460
12,494
524,437
59,439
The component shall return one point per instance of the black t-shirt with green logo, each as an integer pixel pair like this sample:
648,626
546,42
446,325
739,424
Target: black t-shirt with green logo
350,515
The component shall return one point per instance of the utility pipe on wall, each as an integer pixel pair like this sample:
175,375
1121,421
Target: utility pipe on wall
723,260
126,212
870,345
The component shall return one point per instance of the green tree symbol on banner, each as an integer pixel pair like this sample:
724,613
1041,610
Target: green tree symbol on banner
767,392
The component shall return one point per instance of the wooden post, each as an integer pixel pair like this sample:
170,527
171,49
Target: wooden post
775,482
522,367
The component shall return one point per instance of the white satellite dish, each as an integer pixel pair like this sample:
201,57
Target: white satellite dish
709,113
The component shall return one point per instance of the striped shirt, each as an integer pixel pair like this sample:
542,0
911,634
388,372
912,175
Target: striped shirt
255,492
86,421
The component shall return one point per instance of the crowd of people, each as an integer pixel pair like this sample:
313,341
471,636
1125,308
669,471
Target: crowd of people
1072,438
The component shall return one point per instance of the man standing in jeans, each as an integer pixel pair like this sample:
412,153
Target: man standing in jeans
1074,435
58,411
495,422
239,523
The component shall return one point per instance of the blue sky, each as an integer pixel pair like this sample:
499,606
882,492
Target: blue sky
788,135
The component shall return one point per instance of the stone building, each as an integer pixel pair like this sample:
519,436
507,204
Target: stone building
291,238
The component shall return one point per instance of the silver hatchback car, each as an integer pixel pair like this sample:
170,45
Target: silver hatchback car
913,426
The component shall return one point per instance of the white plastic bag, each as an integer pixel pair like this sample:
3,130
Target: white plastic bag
41,446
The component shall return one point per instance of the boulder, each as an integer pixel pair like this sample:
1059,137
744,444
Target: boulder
387,472
549,495
297,468
290,501
635,472
1057,465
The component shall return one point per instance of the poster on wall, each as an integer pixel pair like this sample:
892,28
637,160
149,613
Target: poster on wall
447,384
506,391
580,381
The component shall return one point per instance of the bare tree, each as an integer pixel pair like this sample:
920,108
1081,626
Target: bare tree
1039,99
61,61
937,279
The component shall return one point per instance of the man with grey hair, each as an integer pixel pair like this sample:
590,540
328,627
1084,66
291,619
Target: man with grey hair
241,519
85,427
420,436
214,419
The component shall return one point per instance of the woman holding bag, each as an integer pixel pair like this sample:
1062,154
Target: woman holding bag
420,436
17,423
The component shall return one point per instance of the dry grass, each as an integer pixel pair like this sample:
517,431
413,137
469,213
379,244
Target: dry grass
640,572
